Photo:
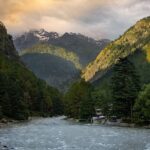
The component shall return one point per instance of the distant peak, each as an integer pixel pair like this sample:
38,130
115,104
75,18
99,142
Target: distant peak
2,26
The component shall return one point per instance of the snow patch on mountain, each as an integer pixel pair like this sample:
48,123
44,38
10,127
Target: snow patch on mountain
42,35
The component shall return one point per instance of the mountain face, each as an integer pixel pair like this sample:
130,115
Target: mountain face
6,43
69,53
28,39
134,43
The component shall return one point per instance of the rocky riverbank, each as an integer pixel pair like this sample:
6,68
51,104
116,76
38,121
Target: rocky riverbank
123,124
110,123
4,147
5,122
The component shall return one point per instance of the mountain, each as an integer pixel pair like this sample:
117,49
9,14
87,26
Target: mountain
76,49
84,47
134,43
22,94
28,39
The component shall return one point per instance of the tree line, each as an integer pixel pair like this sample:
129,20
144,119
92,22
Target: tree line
22,94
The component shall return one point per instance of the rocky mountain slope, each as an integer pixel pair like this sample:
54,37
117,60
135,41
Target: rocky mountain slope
135,43
42,48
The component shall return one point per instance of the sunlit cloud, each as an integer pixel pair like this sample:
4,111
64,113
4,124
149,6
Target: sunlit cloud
96,18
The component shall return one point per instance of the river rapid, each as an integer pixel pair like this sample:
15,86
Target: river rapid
59,134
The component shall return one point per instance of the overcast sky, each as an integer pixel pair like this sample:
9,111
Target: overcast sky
95,18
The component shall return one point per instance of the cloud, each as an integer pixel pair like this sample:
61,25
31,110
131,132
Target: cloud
96,18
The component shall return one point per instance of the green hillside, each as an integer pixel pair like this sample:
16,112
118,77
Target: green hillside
134,42
53,50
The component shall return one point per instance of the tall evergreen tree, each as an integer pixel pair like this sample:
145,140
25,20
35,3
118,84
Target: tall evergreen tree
78,102
125,87
142,106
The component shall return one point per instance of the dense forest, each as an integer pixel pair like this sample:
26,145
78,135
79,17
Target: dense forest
22,94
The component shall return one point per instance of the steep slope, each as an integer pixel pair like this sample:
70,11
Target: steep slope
134,41
21,93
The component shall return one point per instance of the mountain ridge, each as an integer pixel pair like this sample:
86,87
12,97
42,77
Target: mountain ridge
85,47
135,38
53,50
71,47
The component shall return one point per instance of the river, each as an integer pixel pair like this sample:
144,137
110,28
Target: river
60,134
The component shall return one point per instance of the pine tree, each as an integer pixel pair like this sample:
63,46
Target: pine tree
125,87
19,109
78,101
142,106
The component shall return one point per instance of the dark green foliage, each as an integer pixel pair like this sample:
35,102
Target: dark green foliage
142,64
125,87
142,106
102,100
21,92
58,106
11,97
78,101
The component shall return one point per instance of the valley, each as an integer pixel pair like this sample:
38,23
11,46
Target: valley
76,49
70,91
